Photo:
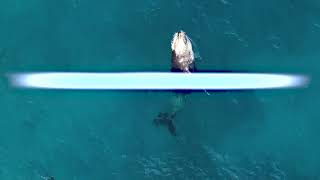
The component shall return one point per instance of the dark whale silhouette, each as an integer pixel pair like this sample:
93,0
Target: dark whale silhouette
166,119
182,60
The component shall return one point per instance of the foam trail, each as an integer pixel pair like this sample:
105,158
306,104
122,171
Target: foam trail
156,81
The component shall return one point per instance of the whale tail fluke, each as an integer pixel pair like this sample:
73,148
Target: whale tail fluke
166,119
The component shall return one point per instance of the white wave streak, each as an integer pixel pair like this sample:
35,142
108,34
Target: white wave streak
157,81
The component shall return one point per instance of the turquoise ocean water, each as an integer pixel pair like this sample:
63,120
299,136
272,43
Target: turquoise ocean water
98,135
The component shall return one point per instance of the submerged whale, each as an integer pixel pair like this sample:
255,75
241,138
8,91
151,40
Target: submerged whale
182,60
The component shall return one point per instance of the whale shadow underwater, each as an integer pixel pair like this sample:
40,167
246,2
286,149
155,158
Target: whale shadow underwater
166,119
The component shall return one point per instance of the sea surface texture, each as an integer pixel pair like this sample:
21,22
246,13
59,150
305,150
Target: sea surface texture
99,135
